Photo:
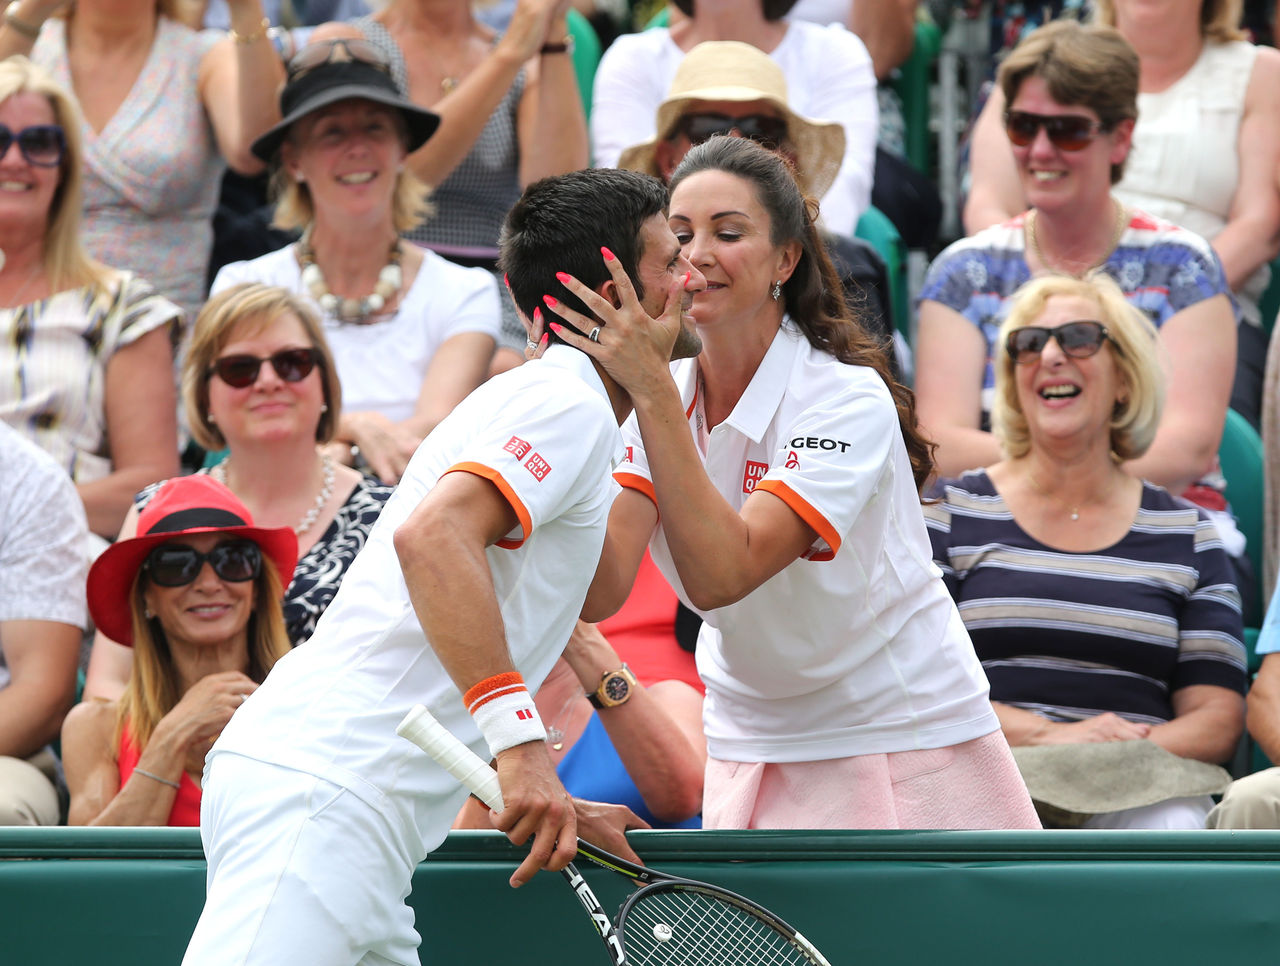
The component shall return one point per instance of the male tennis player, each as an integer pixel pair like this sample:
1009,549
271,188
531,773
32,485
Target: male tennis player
315,813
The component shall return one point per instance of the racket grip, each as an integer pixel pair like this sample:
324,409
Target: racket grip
421,727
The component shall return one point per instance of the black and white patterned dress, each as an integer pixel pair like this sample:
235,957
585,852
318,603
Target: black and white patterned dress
320,569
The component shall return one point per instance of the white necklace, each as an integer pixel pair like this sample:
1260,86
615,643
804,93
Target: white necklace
219,473
360,310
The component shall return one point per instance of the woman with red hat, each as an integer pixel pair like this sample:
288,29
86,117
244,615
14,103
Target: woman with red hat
197,595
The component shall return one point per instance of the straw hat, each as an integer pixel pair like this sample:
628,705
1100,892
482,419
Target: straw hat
726,70
181,506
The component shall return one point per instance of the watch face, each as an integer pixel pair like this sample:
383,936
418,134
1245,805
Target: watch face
616,688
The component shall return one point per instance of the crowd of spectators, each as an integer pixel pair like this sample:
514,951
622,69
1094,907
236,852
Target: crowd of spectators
1073,359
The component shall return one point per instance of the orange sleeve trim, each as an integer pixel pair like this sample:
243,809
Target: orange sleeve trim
508,682
633,481
805,511
498,480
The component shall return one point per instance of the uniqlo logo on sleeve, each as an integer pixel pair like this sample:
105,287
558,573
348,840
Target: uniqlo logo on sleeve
753,474
539,467
630,456
518,447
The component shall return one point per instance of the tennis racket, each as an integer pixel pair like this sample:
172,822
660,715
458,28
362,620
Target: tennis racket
668,921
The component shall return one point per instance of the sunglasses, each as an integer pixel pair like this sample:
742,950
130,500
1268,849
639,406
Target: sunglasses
291,365
320,53
1069,132
1079,340
42,144
176,564
767,130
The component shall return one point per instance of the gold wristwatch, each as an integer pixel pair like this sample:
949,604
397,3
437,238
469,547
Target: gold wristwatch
616,687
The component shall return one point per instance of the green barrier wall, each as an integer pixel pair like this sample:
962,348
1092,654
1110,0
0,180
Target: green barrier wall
112,896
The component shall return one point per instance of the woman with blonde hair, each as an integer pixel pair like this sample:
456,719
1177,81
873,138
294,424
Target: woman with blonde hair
196,594
1206,149
412,334
85,358
166,109
259,381
1101,606
1072,92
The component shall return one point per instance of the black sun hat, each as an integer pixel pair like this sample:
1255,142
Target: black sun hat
340,80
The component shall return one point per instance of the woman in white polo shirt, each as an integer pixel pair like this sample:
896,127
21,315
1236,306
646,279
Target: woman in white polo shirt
842,688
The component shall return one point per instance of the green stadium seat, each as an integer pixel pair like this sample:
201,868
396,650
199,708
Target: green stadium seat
875,227
586,56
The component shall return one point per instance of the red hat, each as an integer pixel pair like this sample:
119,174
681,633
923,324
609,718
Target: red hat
182,505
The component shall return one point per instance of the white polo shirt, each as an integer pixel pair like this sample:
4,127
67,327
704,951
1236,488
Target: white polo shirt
856,648
545,434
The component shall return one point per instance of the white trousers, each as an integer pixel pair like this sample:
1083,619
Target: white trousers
300,871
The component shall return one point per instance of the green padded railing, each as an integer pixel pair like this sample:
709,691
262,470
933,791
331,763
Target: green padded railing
131,896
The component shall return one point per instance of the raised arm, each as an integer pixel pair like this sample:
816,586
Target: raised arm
441,547
888,28
550,122
245,63
995,193
1251,235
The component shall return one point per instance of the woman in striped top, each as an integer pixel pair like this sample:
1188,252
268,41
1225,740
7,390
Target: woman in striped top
1101,606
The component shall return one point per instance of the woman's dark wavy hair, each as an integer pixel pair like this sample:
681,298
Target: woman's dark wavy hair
814,297
772,9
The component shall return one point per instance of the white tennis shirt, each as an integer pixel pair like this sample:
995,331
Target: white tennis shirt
545,434
856,648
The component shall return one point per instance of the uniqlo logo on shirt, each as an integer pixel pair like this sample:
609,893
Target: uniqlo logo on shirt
518,447
630,456
539,467
753,474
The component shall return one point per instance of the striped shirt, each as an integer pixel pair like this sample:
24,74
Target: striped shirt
1072,635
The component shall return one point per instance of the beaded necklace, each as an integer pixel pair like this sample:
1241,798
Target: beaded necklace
361,311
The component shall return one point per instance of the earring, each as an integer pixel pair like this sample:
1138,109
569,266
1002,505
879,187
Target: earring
777,289
324,407
299,177
211,418
147,613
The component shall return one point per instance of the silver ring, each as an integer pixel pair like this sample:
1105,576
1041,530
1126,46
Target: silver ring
595,334
530,344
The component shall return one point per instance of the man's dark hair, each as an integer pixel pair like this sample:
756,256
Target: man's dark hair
772,9
560,224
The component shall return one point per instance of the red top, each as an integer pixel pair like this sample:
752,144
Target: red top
643,632
186,805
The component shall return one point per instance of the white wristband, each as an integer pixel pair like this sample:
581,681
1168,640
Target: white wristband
510,719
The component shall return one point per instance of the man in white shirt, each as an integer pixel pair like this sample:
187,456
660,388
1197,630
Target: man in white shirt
314,813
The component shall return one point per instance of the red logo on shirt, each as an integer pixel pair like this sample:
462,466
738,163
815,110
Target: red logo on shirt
793,461
518,447
539,467
524,714
630,455
753,474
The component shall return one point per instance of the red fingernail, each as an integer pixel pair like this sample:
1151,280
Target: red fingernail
551,303
563,277
537,315
544,340
506,281
555,327
608,255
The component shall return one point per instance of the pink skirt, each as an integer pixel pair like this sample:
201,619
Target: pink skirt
972,785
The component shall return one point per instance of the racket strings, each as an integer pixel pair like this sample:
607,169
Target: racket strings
684,928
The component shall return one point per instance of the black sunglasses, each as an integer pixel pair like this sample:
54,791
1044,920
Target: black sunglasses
41,144
767,130
176,564
291,365
1069,132
320,53
1079,340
